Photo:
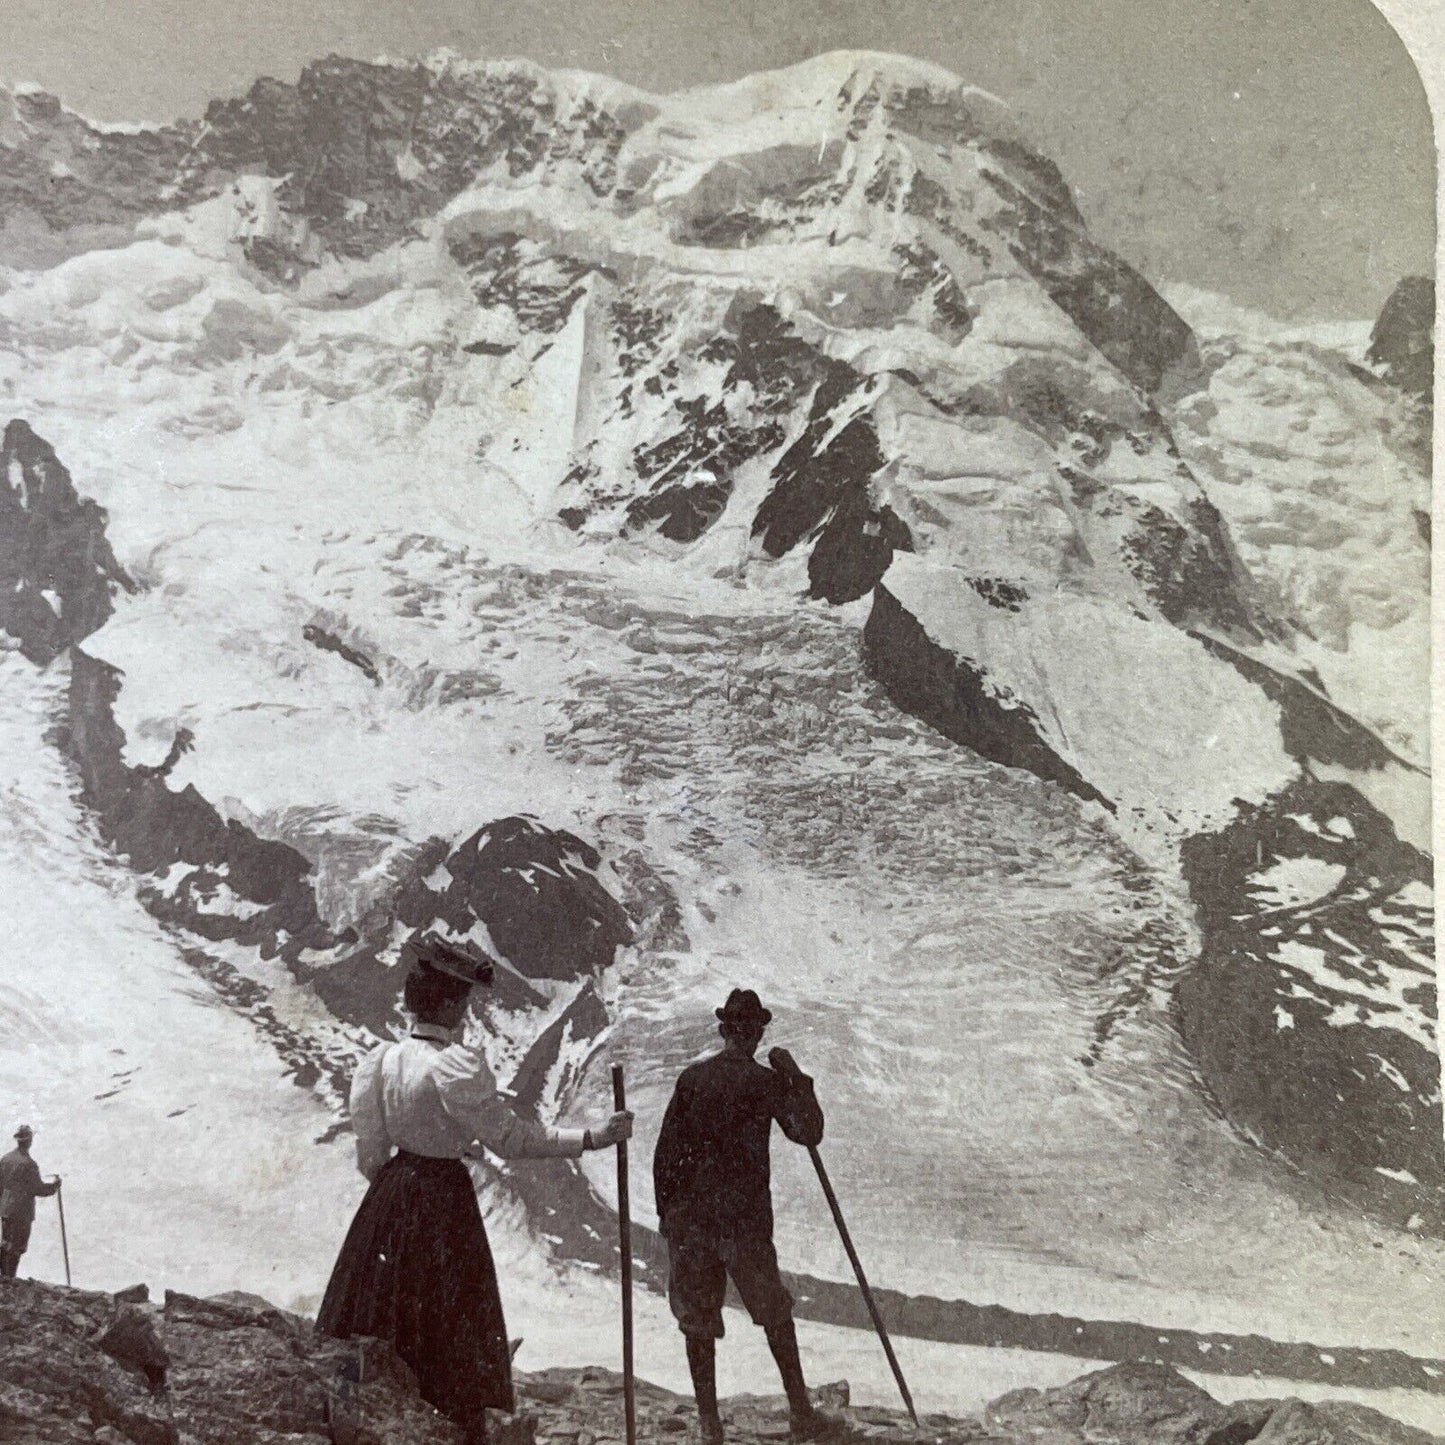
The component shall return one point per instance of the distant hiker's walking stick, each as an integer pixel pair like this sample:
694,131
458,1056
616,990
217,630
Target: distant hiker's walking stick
64,1244
862,1279
624,1223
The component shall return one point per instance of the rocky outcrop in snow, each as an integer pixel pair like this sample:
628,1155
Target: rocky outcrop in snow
952,693
1402,344
535,892
1312,1010
57,571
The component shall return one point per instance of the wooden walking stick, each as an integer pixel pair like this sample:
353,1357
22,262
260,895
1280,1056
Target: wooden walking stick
64,1244
862,1279
624,1223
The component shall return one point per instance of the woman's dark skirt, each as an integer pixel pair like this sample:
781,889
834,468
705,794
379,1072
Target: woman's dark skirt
416,1269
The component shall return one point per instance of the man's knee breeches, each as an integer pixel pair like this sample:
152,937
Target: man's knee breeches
699,1266
14,1241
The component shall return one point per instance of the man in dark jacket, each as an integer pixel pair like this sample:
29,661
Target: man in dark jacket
20,1186
712,1183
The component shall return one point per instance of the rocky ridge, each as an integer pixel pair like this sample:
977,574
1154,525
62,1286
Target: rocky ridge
78,1367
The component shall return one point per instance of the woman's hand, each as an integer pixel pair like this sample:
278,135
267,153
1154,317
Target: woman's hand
614,1131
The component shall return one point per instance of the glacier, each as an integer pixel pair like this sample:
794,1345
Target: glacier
903,607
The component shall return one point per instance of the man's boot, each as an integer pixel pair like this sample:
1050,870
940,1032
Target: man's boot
804,1421
702,1365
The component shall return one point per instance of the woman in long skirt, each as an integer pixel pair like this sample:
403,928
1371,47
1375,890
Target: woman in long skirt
416,1268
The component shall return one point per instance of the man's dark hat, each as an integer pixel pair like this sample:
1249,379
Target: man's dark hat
744,1007
460,958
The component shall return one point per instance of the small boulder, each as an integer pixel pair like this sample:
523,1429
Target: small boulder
1133,1404
133,1339
511,1429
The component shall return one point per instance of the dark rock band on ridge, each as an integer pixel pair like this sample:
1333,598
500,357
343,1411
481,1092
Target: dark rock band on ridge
416,1269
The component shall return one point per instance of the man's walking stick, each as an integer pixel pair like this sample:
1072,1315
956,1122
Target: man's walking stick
624,1222
862,1279
64,1245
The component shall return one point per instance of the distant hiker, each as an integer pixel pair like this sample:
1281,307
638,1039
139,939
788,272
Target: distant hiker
20,1187
711,1178
416,1268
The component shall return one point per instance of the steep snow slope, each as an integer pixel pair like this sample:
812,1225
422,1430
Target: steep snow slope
179,1132
1315,467
475,467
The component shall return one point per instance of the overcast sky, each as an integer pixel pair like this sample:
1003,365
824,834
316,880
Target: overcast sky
1278,151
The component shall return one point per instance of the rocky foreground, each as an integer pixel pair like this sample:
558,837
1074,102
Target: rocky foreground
78,1365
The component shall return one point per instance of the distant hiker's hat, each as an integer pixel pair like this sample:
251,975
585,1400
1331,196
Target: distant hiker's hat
744,1007
25,1132
460,958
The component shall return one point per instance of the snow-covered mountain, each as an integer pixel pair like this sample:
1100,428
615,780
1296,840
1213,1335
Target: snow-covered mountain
754,536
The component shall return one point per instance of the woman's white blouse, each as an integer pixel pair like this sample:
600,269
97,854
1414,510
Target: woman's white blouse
439,1099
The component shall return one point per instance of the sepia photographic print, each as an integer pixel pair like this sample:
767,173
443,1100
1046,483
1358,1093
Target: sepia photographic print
716,723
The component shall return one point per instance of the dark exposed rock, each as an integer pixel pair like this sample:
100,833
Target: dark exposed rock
1311,726
681,512
155,827
854,549
690,467
690,470
922,273
1309,1015
822,490
999,592
949,694
318,636
361,152
66,186
1149,1402
132,1338
1191,572
536,889
827,461
367,150
52,541
582,1020
1134,1401
1402,343
732,206
539,287
1114,306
